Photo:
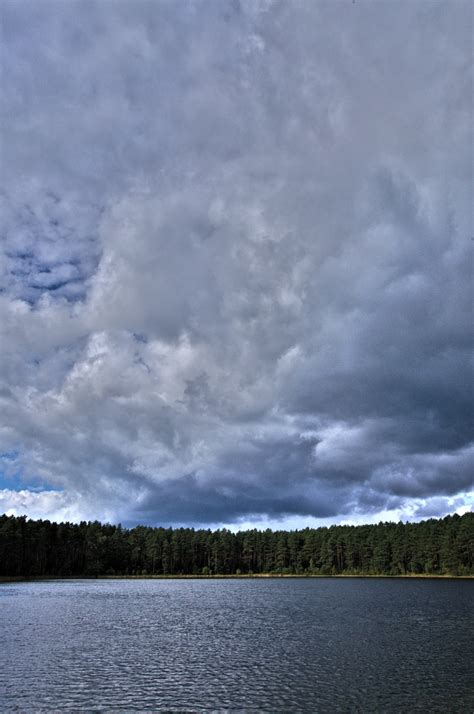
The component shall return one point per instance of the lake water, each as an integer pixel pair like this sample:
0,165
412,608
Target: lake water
276,645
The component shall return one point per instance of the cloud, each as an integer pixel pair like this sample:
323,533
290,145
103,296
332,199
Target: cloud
236,266
51,505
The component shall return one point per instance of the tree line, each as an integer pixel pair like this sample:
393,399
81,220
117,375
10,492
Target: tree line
42,548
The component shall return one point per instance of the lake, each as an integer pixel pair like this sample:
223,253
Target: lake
266,645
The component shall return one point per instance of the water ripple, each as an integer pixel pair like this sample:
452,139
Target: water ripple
237,646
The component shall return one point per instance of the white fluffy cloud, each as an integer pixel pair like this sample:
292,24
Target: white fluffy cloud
236,260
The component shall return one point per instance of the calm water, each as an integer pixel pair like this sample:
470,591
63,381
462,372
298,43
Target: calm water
237,645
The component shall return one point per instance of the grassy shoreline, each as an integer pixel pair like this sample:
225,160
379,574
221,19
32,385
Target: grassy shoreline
256,576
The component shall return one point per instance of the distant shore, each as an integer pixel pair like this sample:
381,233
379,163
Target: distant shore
256,576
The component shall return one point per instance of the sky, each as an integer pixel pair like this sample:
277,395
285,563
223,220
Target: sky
236,261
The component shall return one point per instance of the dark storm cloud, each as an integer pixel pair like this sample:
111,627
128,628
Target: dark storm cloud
237,266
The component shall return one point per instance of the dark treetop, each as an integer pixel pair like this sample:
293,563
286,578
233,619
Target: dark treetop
42,548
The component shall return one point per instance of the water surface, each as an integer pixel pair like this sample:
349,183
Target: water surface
276,645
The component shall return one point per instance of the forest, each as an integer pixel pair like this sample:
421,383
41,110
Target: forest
39,548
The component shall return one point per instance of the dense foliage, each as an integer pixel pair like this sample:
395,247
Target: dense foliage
40,548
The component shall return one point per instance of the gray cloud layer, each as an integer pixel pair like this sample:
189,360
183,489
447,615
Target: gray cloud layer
237,259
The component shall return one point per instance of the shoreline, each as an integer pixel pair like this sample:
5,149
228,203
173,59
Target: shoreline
256,576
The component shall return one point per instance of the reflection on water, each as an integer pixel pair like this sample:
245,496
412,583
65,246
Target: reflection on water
246,645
